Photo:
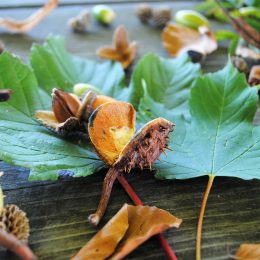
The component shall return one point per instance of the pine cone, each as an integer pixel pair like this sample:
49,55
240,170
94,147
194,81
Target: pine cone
13,220
144,13
161,16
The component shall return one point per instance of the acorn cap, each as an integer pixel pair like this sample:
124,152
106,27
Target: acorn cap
13,220
144,13
161,16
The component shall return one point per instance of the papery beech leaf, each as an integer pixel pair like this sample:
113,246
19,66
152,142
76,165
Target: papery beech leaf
128,229
178,39
248,252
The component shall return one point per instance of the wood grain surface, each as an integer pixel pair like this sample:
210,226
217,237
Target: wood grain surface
58,210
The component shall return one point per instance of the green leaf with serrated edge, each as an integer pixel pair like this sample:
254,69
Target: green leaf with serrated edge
55,67
220,139
26,143
168,80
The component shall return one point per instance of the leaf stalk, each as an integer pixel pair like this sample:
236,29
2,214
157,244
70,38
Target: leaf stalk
201,216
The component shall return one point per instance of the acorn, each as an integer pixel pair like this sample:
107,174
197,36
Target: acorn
81,22
13,220
161,16
144,12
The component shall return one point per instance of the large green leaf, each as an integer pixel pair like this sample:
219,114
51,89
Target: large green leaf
168,81
220,140
55,67
23,141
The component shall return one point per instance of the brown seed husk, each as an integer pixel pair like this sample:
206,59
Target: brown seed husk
13,220
144,12
161,16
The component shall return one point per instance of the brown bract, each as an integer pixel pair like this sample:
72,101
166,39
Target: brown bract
123,50
69,114
128,229
178,39
248,252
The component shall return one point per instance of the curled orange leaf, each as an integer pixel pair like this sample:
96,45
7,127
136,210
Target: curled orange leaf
248,252
128,229
178,39
123,51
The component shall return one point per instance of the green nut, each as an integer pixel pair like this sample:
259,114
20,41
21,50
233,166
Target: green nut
191,18
249,11
104,14
80,88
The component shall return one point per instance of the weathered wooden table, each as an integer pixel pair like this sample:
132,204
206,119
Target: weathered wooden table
58,210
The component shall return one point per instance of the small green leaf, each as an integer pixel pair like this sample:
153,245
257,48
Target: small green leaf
220,139
26,143
168,80
55,67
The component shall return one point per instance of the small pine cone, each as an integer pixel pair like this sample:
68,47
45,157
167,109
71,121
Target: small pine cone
161,16
144,13
13,220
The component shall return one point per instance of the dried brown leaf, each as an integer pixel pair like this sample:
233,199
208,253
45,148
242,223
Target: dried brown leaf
132,225
30,22
123,51
178,39
248,252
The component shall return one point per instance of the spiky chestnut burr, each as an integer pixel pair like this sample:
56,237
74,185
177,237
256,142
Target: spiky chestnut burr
140,152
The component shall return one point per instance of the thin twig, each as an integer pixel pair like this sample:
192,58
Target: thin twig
134,197
202,211
31,21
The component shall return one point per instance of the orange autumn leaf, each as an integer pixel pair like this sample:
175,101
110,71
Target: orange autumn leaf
128,229
178,39
248,252
123,51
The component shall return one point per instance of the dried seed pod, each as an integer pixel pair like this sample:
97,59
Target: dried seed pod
123,50
5,94
144,12
111,126
13,220
161,16
70,114
81,22
111,130
254,76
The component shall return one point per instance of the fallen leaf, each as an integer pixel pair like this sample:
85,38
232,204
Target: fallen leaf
248,252
123,51
128,229
178,39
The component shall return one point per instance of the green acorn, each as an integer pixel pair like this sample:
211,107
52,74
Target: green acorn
104,14
191,18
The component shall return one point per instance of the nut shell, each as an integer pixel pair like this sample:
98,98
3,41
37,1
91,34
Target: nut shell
144,12
161,17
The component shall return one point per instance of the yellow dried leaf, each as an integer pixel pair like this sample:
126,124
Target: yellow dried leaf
178,39
47,118
248,252
132,225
